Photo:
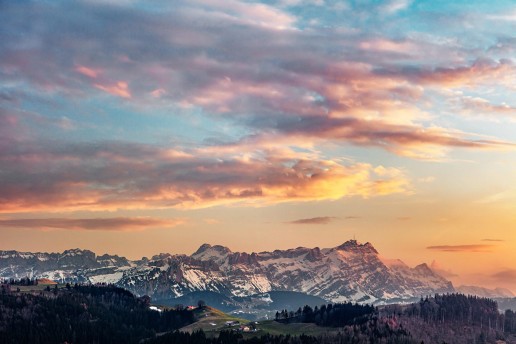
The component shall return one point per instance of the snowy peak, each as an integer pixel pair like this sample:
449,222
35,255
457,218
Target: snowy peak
350,272
161,256
202,248
314,254
393,263
112,260
354,246
243,258
77,258
209,248
77,252
424,269
216,253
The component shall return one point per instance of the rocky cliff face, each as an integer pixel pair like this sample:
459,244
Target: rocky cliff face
349,272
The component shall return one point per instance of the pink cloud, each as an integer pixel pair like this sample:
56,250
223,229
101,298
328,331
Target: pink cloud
114,175
466,75
302,77
89,72
157,93
251,13
121,89
481,106
388,46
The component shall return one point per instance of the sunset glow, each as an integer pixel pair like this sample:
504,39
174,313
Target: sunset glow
137,127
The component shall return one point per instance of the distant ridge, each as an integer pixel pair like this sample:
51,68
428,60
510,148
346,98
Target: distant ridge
485,292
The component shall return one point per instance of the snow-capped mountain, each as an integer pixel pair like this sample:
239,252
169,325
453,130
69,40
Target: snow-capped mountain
349,272
485,292
71,265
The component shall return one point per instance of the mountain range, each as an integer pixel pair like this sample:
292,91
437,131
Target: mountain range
253,285
349,272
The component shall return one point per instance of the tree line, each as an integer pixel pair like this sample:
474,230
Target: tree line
333,315
348,336
26,281
458,308
83,314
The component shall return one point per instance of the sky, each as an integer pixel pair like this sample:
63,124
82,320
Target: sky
139,127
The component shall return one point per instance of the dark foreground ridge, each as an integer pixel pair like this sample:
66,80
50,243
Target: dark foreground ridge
108,314
82,314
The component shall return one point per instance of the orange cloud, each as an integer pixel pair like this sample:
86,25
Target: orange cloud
97,224
462,248
133,176
212,221
505,275
403,218
313,221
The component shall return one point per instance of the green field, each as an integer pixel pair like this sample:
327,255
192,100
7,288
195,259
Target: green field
32,288
274,327
212,321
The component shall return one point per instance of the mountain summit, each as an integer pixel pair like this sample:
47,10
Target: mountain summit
348,272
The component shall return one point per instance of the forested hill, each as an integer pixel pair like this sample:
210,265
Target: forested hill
449,319
455,318
83,314
107,314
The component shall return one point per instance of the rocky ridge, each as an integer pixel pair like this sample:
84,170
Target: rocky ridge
349,272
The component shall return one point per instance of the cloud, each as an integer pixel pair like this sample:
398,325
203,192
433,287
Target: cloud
437,268
111,175
505,196
353,217
298,88
429,179
89,72
212,221
480,71
508,275
481,106
508,16
403,218
324,220
92,224
404,140
120,89
396,5
462,248
493,240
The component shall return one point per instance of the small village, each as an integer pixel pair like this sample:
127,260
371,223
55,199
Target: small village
236,326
